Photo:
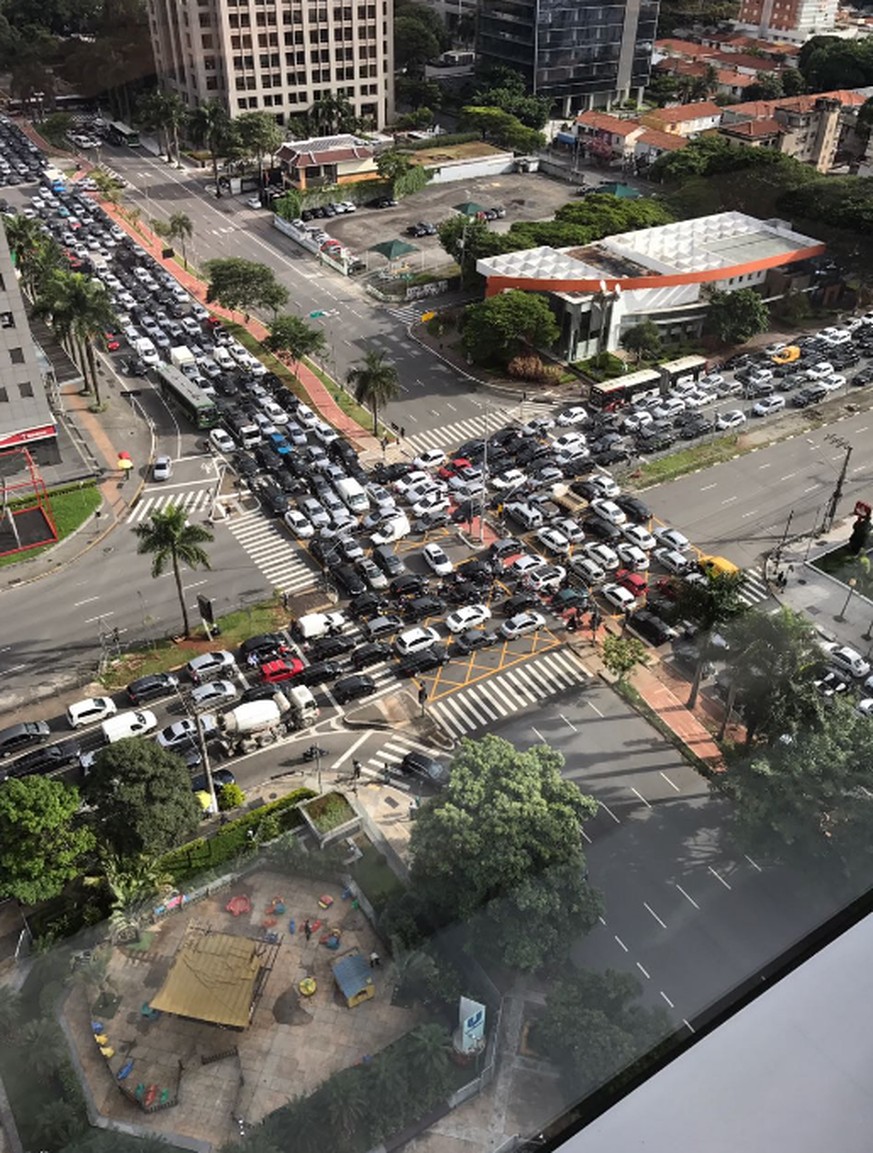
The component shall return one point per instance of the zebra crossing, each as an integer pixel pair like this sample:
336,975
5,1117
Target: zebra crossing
388,757
449,436
408,313
195,500
755,589
285,566
527,683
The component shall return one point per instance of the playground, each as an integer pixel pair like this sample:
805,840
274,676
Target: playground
227,1008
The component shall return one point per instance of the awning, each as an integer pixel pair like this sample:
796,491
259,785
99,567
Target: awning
565,138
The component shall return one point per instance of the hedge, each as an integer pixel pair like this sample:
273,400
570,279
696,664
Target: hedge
438,141
59,490
232,839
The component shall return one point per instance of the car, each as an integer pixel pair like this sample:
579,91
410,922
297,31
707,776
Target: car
846,659
602,554
673,561
162,469
22,735
574,415
184,734
812,394
604,485
369,654
255,650
254,202
208,666
280,669
408,584
430,458
472,640
47,760
221,440
372,574
420,764
151,687
415,640
214,693
633,556
618,597
512,478
426,661
609,511
90,711
319,673
467,617
636,510
727,420
420,608
437,560
220,778
522,624
669,408
768,404
553,540
388,561
348,580
832,684
587,569
391,530
302,528
353,688
672,538
524,564
546,578
636,535
384,625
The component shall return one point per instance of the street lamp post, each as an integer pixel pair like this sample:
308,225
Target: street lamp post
201,746
841,615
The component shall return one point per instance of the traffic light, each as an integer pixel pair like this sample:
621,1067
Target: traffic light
422,694
204,606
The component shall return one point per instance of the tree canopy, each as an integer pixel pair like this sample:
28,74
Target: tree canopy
142,798
736,317
419,35
500,849
503,325
42,840
241,285
643,339
621,655
828,63
501,128
506,90
288,333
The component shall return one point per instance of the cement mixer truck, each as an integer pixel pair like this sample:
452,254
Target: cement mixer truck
255,724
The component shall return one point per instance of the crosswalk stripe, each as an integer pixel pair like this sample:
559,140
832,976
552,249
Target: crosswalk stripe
487,707
522,689
450,435
270,550
755,587
408,313
191,502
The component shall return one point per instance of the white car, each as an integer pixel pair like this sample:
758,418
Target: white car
436,560
733,419
430,458
572,416
553,540
372,574
415,640
637,535
609,511
571,529
431,502
253,202
275,412
299,525
404,483
819,371
539,426
305,416
676,563
602,555
512,478
589,570
208,665
833,382
162,469
467,617
669,408
240,355
524,564
223,358
569,442
633,556
380,496
392,530
90,711
637,419
846,659
711,380
768,404
214,693
522,624
619,597
605,485
700,398
184,732
672,538
546,578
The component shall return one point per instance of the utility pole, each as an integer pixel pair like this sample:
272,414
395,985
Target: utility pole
484,477
201,746
836,495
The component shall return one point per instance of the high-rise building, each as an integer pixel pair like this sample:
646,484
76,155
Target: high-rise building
795,20
580,53
277,56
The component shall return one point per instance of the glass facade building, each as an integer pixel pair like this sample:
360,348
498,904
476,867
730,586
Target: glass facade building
580,53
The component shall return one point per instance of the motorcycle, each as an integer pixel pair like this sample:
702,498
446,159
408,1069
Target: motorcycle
313,753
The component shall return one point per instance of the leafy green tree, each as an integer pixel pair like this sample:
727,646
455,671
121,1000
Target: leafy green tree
230,797
593,1027
290,334
708,605
642,339
375,382
467,240
501,128
793,83
289,205
241,285
662,89
828,63
431,1048
621,655
501,326
55,128
421,117
414,43
507,92
393,164
42,840
260,136
169,539
79,310
142,799
767,86
736,317
209,125
56,1122
499,850
332,113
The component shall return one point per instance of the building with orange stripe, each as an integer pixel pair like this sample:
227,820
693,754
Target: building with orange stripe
661,274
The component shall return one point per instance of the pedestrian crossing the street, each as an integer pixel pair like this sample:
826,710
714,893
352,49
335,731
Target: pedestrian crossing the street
193,501
755,589
285,566
491,700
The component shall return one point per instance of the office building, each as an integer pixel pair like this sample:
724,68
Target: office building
275,56
794,20
579,53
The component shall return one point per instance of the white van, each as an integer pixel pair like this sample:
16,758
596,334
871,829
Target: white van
315,625
353,496
146,351
223,358
524,514
135,723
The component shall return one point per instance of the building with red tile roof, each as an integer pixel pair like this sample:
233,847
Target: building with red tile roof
685,119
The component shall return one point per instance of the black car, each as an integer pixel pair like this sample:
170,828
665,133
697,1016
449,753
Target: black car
426,661
326,648
265,692
151,687
274,499
408,584
263,647
268,459
812,394
635,509
507,547
349,581
245,465
386,473
318,673
419,764
353,688
569,598
47,759
133,366
602,529
368,604
699,425
388,561
650,627
419,608
472,640
466,511
518,603
220,778
370,654
476,571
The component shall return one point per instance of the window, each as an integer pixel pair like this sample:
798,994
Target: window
16,355
4,396
26,390
7,320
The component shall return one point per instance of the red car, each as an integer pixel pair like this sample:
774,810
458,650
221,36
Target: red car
112,342
282,669
453,467
634,582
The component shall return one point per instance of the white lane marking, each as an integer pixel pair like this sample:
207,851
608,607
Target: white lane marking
609,811
788,476
108,613
643,971
666,998
350,750
688,1026
11,669
730,500
641,797
707,487
687,897
672,784
539,735
811,488
86,601
569,724
654,914
754,864
621,943
596,709
717,877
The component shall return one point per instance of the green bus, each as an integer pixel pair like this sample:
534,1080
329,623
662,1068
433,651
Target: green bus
182,393
121,133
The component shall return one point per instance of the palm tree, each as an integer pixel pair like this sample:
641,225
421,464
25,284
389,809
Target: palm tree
430,1046
24,237
209,124
42,1046
169,538
181,229
150,109
79,310
707,605
56,1122
375,383
175,118
40,267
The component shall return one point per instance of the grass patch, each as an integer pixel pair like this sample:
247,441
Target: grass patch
330,811
687,460
628,693
374,878
166,655
70,510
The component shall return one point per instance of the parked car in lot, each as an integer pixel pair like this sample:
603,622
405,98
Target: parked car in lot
651,627
618,597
